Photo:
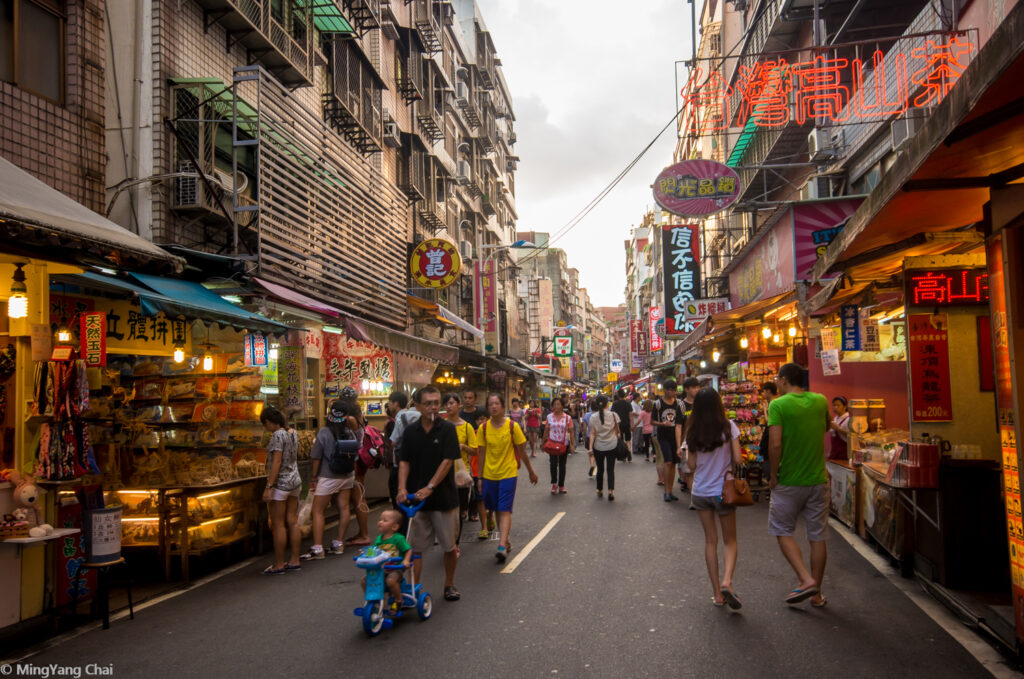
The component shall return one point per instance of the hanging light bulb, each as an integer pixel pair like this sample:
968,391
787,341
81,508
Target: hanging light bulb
766,332
792,331
179,353
715,355
777,339
744,343
703,364
17,303
63,333
207,361
462,380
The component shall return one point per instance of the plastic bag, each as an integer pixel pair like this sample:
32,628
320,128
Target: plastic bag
306,515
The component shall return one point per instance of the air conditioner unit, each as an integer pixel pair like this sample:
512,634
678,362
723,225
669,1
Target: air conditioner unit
388,28
461,93
462,172
510,166
466,249
192,193
819,144
815,188
392,135
902,129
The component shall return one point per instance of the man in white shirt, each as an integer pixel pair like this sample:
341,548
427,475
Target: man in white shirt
634,420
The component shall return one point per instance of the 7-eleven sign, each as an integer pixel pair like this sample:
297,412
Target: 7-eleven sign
563,346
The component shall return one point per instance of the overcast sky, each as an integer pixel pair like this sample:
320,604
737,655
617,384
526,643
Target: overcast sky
593,81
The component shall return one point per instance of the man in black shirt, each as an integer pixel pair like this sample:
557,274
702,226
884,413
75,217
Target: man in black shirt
667,419
430,445
471,412
622,408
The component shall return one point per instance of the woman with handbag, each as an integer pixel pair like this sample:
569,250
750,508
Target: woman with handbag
713,447
604,443
452,404
559,435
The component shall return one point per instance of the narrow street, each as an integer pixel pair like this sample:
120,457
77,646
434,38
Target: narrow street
614,590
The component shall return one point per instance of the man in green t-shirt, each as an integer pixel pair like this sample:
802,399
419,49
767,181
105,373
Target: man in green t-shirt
797,422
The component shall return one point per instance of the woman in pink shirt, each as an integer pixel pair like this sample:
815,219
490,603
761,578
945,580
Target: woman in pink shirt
533,427
646,428
559,428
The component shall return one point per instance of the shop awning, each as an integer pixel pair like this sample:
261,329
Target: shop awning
507,365
289,296
973,142
443,315
366,331
178,298
690,341
665,364
32,214
754,309
530,369
327,16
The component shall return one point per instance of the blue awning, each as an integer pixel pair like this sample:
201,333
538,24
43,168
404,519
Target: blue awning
181,298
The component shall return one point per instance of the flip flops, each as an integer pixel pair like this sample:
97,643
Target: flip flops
731,599
270,570
451,594
289,567
798,595
819,603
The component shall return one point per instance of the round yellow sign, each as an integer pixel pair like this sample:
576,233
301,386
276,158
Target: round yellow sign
435,263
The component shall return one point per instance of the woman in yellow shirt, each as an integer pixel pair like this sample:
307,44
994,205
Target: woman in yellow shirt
502,447
467,447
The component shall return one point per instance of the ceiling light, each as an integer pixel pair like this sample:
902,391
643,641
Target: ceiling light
17,303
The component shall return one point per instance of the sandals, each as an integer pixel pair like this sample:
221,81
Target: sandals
270,570
359,542
731,599
798,595
451,594
819,602
289,567
483,535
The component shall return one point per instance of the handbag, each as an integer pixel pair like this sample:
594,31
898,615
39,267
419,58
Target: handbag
621,450
736,492
553,447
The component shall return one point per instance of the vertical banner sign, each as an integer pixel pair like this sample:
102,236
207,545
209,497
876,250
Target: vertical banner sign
636,332
1007,422
487,293
931,398
94,338
657,344
256,350
680,248
850,315
291,380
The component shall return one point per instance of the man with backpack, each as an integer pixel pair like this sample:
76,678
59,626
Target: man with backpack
426,458
334,456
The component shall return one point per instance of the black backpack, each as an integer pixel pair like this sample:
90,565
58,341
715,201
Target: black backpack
342,460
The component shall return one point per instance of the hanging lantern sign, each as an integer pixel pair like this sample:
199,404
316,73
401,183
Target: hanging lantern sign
256,349
696,188
435,263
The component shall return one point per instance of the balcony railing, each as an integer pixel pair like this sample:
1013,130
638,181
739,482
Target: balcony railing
409,79
429,123
426,18
412,175
277,35
352,102
364,15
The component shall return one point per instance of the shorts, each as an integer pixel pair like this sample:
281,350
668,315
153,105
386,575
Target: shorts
790,502
666,453
499,495
710,504
328,486
533,430
282,495
426,526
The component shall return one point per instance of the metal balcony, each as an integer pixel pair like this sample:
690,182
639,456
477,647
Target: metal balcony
434,214
290,55
412,176
428,26
429,125
364,15
410,80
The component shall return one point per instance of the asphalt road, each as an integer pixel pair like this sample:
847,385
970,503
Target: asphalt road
614,590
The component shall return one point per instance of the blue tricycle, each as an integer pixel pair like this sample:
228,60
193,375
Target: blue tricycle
375,609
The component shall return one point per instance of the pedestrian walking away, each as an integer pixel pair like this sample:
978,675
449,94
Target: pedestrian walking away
712,449
668,422
604,439
429,449
769,392
586,424
797,422
502,446
332,479
559,436
646,428
282,492
350,399
533,426
623,408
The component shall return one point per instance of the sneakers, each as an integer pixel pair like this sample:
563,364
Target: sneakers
554,488
672,497
666,497
315,552
337,547
562,490
501,554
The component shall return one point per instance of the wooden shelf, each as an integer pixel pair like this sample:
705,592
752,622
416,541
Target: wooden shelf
57,534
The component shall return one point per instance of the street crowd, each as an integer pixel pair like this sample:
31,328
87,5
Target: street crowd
460,463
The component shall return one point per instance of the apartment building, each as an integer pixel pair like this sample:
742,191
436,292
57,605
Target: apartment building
315,142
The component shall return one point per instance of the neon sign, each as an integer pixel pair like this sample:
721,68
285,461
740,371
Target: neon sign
775,92
947,287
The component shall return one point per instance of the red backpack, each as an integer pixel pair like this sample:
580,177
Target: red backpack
371,452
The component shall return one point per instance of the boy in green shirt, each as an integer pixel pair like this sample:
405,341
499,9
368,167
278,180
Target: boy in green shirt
395,544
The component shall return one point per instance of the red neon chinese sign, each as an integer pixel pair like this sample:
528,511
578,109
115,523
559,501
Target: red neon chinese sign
947,287
928,344
776,91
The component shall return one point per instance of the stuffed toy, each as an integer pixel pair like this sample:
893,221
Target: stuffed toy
29,496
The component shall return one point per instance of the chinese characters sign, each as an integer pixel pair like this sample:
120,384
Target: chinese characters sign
931,398
767,269
255,349
637,345
93,334
655,315
681,259
487,305
850,315
699,309
291,380
781,90
947,287
435,263
348,362
695,188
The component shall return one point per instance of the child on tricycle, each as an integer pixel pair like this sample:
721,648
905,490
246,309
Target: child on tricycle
394,543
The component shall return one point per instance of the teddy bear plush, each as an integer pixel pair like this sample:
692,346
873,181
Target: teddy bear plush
29,496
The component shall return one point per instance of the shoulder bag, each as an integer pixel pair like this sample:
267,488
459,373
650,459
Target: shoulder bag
736,492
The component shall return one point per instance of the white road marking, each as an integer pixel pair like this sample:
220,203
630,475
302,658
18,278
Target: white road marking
514,563
987,656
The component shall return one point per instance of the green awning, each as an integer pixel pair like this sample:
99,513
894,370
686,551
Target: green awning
327,16
743,143
219,96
